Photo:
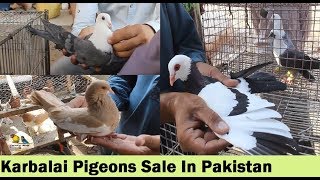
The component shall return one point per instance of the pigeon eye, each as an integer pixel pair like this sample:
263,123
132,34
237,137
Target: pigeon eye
103,18
176,67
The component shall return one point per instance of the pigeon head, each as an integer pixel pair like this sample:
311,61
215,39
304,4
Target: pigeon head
104,18
272,35
98,88
179,68
275,34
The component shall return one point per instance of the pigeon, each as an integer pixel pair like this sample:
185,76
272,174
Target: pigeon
99,118
93,50
252,124
287,55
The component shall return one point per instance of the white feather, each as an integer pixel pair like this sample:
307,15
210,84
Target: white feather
279,45
185,67
101,33
258,117
219,98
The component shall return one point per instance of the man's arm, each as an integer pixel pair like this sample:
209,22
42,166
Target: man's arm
85,16
186,37
122,87
188,42
155,24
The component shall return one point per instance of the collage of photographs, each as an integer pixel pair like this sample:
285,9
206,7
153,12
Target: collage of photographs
159,79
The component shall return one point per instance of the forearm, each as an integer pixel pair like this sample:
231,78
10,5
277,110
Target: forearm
185,33
122,87
155,24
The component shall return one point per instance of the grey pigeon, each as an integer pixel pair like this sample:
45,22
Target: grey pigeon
91,50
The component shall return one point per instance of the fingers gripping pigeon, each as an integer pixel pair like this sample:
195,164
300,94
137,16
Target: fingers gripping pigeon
93,50
252,124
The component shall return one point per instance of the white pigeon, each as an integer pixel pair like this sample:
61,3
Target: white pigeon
252,125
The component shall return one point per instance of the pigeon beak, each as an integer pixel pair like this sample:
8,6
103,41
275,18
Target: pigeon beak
272,35
110,91
110,25
172,79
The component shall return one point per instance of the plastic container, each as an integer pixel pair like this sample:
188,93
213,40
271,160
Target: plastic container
53,9
4,6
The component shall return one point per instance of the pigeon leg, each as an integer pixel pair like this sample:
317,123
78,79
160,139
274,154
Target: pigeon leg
62,141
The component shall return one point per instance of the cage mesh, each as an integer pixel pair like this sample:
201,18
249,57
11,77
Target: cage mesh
63,86
235,37
21,52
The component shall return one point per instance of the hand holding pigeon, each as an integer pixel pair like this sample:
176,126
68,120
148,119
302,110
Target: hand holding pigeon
252,125
93,51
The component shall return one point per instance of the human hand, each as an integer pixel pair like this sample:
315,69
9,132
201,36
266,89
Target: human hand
211,71
191,114
78,102
130,145
125,40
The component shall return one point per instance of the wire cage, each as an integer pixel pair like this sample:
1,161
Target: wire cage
235,37
21,52
65,87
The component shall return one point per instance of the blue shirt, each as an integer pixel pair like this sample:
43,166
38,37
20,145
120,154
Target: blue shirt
178,36
137,97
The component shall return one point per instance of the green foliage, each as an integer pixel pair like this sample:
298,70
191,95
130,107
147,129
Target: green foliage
189,6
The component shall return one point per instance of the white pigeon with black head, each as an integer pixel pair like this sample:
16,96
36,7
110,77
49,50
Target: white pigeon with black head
252,124
286,54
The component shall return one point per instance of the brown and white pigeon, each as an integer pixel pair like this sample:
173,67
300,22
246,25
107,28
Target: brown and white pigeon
99,118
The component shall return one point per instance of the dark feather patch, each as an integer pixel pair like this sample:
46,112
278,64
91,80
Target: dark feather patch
262,82
243,103
247,72
296,59
196,82
277,143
